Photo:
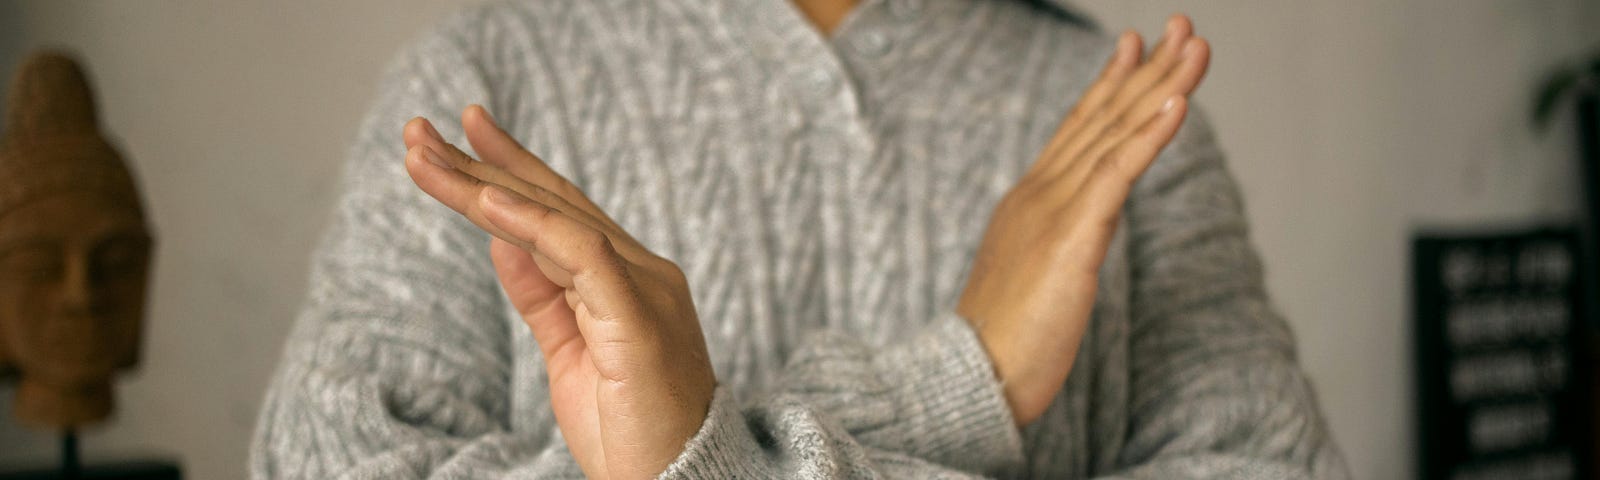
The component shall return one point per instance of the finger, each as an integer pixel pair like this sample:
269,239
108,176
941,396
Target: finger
1162,62
498,148
1150,141
1123,62
459,191
449,157
539,301
1115,174
556,334
490,141
1182,82
419,131
1165,57
1196,62
447,184
1124,59
615,329
521,276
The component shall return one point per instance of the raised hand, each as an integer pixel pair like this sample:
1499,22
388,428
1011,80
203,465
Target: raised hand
1033,283
630,379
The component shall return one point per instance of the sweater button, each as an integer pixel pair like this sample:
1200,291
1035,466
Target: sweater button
872,44
905,9
820,81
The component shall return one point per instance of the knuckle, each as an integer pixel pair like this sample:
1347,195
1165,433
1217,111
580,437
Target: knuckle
678,277
667,265
474,179
1019,194
472,168
668,269
1106,169
597,242
1097,116
544,214
539,194
566,189
1122,170
551,199
592,244
614,364
1116,126
1024,187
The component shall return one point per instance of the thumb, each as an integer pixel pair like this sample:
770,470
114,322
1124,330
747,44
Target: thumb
541,302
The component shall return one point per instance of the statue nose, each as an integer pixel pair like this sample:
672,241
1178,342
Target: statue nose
77,290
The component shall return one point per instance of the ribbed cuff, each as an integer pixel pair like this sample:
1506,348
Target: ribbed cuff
952,409
941,404
723,448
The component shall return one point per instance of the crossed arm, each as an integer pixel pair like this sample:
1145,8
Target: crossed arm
629,375
604,311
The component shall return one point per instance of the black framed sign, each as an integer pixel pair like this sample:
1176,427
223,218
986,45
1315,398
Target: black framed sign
1501,368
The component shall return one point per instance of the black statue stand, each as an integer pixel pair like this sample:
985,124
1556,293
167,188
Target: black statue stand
72,469
69,456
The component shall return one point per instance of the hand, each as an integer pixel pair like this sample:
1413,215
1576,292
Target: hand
630,379
1033,283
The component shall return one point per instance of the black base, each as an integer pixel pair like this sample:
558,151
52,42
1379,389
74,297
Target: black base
140,470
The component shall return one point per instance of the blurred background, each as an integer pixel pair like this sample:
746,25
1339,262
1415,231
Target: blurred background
1351,125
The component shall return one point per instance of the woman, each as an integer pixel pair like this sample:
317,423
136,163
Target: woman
903,262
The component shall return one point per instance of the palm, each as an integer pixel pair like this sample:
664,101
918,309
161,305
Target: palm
629,384
574,381
1032,286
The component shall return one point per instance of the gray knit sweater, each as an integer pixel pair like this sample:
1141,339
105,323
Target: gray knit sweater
824,196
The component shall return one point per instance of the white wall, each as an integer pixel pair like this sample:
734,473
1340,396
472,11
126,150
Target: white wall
1349,123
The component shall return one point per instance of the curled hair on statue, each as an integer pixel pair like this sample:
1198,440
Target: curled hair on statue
52,140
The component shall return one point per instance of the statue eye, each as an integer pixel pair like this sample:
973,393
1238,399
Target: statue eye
122,255
32,263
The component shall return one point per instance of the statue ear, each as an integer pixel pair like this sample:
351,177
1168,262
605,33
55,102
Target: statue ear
8,369
131,349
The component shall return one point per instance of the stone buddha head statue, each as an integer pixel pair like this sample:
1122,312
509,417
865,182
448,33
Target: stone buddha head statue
74,250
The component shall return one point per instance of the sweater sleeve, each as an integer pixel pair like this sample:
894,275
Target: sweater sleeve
399,365
1216,389
928,407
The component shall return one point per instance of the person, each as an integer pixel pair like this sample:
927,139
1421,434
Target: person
764,239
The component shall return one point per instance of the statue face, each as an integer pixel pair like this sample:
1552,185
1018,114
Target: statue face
72,288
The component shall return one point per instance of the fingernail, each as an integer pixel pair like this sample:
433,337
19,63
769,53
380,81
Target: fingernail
432,132
485,111
500,197
1171,102
435,159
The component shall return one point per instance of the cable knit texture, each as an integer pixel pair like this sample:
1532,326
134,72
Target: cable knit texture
825,196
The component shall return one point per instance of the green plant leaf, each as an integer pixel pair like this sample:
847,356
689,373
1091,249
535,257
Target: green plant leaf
1565,81
1550,95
